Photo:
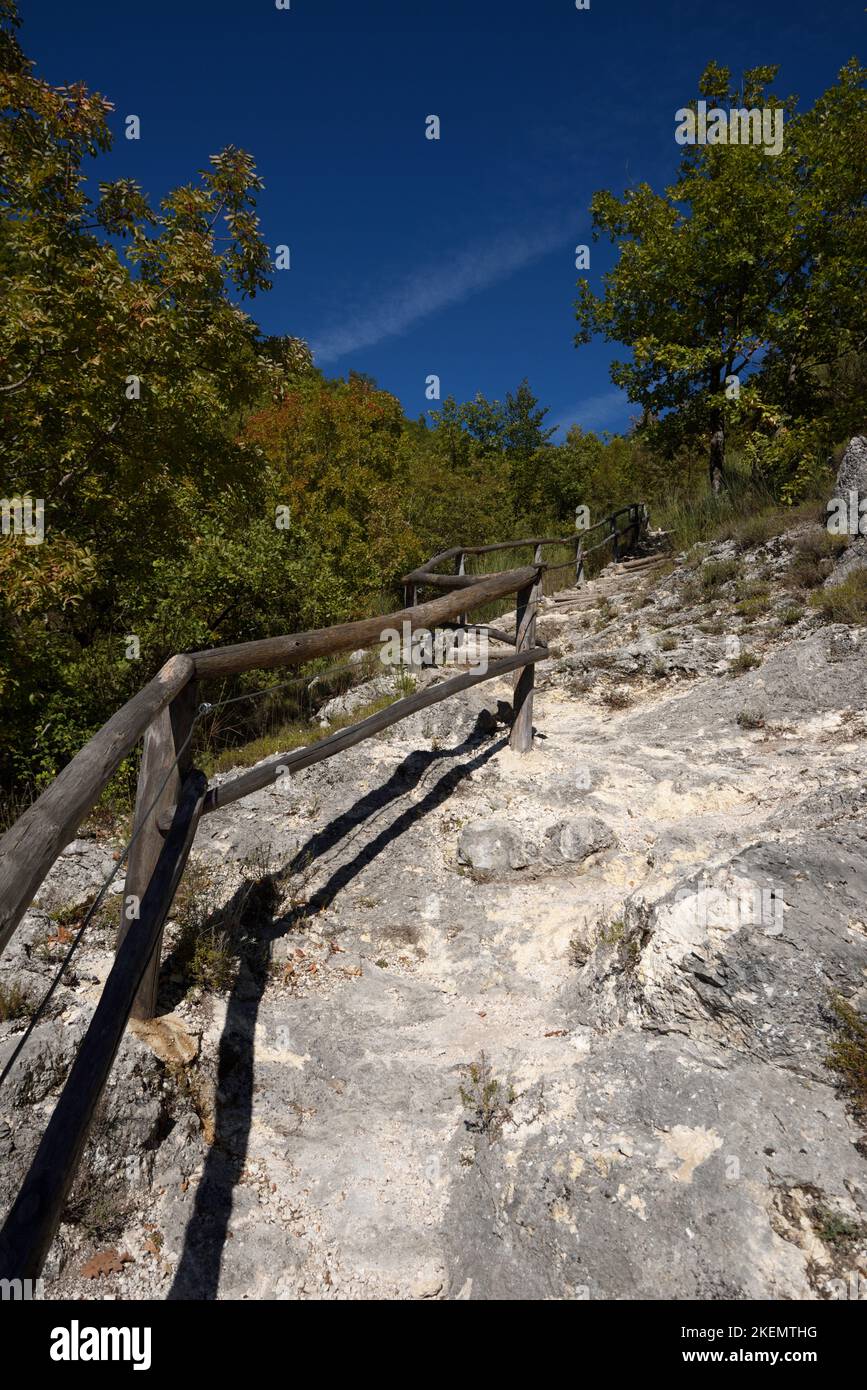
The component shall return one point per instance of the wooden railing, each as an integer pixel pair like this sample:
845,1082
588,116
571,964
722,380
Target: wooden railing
172,796
620,538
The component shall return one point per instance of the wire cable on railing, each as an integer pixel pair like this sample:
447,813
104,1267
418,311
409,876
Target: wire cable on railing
203,709
97,902
283,685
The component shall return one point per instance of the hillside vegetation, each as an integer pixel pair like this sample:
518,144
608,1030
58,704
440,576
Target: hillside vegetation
204,483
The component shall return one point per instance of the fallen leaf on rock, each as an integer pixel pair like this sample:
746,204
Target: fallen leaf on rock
105,1262
63,936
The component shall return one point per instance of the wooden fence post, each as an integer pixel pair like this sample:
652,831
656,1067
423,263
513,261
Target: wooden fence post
34,1216
460,570
163,738
579,564
521,735
615,539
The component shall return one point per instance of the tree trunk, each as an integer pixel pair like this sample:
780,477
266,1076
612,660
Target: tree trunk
716,459
717,456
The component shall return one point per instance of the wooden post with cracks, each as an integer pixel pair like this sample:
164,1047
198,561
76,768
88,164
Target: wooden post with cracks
521,736
163,741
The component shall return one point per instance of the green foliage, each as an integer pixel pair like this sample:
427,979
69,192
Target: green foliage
848,1052
210,941
751,719
845,602
125,367
16,1001
792,463
488,1101
717,573
164,431
743,662
747,259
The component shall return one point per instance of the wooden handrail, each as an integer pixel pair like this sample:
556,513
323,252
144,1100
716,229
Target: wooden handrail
164,708
268,771
305,646
425,573
35,1214
31,845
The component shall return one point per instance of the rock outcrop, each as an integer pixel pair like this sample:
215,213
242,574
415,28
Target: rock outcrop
852,473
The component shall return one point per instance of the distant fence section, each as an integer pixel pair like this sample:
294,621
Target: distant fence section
172,796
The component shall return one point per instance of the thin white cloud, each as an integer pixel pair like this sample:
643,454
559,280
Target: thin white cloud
594,412
417,297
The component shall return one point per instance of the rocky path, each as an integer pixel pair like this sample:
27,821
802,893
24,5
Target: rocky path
541,1026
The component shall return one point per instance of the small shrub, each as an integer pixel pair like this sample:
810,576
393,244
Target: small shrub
750,608
211,941
204,953
758,529
404,683
658,668
16,1001
616,698
695,556
488,1102
636,603
99,1203
845,602
835,1229
751,719
751,588
813,558
667,642
612,933
101,1211
717,573
744,661
791,615
848,1053
605,615
579,951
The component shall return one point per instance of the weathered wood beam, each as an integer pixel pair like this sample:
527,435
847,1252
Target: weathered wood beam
267,772
521,734
160,778
31,845
442,581
304,646
35,1214
425,569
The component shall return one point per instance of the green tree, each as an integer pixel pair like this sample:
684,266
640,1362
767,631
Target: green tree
126,364
748,258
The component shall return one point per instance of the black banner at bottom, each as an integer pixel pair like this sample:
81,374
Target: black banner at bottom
63,1339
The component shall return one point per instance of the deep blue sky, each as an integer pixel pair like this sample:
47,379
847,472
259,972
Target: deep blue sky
412,257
